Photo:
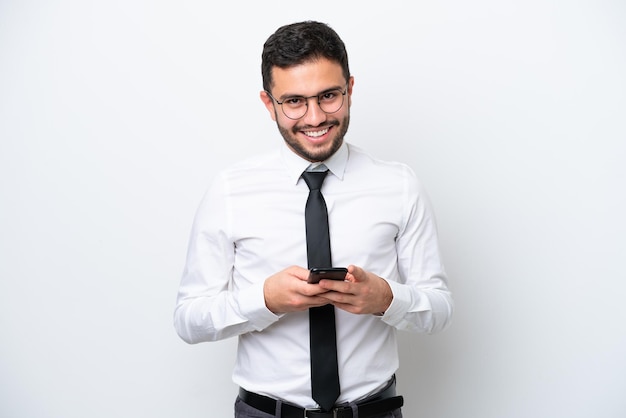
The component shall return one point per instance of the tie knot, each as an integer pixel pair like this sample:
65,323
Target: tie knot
314,179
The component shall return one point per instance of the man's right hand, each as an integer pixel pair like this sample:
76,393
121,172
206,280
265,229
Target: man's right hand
288,291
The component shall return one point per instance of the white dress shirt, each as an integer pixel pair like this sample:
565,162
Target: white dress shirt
250,225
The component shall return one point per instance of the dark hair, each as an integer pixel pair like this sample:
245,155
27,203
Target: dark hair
301,42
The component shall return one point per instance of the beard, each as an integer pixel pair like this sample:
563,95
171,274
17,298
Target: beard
314,154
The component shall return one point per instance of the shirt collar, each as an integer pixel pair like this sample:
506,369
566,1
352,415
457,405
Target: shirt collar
296,165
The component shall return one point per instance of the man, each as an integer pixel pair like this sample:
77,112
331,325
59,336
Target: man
246,271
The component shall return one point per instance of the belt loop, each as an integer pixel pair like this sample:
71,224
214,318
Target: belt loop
355,409
279,407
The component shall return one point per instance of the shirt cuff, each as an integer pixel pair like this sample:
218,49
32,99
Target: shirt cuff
400,304
252,306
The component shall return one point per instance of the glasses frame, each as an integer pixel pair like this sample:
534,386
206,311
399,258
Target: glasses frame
306,100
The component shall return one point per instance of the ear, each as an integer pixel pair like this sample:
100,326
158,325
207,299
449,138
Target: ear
350,85
269,104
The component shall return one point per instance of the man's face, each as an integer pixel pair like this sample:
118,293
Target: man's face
317,135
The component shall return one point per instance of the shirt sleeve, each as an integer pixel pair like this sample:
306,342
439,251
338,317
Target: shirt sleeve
421,301
207,307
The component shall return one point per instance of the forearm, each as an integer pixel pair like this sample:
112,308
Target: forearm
419,309
199,318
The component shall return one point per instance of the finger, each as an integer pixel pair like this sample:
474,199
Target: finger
338,298
317,301
350,278
310,289
340,286
355,273
299,272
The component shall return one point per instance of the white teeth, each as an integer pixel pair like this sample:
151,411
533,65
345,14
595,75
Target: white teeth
316,134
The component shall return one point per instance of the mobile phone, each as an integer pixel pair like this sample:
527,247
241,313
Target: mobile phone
333,273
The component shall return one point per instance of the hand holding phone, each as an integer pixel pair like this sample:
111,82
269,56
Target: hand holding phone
333,273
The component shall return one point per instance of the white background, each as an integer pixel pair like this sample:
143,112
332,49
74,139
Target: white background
115,114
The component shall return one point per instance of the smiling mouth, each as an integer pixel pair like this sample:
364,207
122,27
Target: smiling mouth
316,134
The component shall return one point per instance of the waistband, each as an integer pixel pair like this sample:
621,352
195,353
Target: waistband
377,404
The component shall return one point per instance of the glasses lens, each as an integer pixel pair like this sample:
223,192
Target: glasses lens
331,101
295,108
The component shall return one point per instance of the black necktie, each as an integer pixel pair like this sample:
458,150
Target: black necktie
324,371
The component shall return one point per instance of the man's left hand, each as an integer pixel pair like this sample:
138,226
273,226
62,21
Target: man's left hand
361,292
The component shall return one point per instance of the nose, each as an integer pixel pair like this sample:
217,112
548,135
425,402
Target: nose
314,114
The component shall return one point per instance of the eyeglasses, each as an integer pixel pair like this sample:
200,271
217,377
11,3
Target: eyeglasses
295,107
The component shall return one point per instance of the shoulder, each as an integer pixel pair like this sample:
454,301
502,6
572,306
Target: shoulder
249,177
363,163
249,165
250,169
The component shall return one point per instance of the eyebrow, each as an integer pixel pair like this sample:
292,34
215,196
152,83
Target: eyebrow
289,95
